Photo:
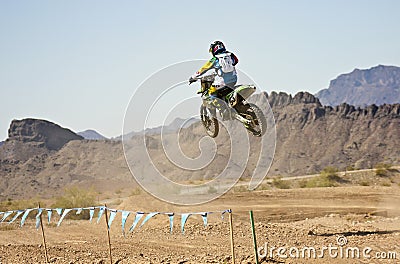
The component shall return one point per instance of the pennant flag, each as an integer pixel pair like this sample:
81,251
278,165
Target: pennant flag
6,214
101,212
226,211
1,213
49,213
25,215
40,210
138,216
113,213
204,216
171,221
91,213
66,211
125,215
148,217
19,212
59,211
103,209
183,221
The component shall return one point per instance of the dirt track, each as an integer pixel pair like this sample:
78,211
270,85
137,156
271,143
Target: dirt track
293,219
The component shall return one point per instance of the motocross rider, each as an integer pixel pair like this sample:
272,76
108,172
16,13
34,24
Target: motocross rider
223,62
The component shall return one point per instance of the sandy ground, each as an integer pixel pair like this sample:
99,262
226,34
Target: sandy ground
342,225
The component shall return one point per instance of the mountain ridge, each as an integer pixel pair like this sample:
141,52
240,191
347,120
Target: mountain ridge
91,134
310,136
361,87
172,127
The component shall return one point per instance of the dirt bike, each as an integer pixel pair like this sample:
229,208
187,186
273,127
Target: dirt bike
250,115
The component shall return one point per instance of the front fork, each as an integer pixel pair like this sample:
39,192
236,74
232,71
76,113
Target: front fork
209,105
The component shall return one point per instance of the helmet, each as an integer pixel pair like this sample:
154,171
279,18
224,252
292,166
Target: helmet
217,47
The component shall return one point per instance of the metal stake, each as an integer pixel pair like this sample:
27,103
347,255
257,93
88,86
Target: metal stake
254,237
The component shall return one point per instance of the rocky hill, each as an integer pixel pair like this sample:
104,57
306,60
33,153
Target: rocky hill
310,136
377,85
32,137
41,158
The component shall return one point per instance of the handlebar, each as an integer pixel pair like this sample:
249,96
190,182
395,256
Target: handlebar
192,80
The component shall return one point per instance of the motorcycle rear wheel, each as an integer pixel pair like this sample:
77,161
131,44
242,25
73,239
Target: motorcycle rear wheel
258,122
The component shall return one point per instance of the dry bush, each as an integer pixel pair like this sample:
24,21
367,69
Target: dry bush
240,189
327,178
7,227
281,184
136,191
18,204
382,169
212,190
265,186
75,197
320,181
365,183
386,184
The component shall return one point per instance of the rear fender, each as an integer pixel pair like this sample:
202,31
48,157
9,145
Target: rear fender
239,93
245,91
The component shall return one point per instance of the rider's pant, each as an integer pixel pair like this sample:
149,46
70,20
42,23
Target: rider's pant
220,93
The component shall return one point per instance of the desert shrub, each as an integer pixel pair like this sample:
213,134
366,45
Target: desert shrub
212,189
18,204
386,184
265,186
242,179
75,197
303,183
321,181
365,183
382,169
381,172
8,227
327,178
10,205
136,191
383,165
280,184
329,171
350,168
239,189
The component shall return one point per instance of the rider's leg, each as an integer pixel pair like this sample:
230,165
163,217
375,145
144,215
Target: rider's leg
219,93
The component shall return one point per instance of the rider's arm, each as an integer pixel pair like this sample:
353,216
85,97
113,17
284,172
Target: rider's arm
207,66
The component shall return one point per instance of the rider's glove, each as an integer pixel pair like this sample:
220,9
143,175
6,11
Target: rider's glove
192,80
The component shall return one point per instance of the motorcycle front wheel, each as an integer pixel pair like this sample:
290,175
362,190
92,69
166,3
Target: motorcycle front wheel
209,121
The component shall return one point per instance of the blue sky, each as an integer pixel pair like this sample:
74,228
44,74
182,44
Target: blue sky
77,63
